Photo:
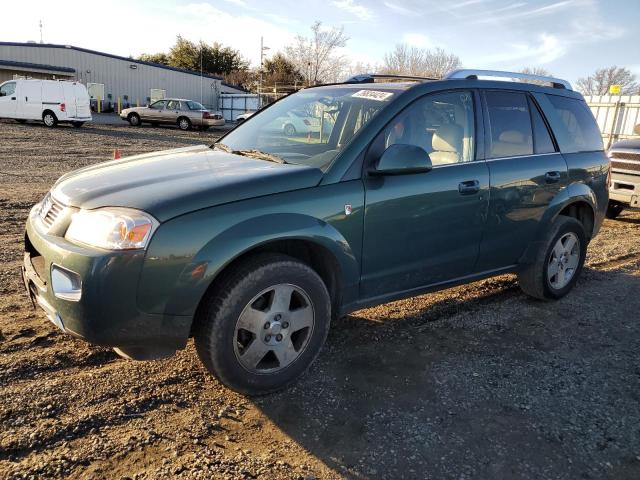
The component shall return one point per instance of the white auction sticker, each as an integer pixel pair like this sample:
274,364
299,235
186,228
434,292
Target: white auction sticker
373,95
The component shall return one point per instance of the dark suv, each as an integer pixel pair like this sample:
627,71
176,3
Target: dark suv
253,245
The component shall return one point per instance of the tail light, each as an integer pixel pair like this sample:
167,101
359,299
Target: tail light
306,122
206,115
63,107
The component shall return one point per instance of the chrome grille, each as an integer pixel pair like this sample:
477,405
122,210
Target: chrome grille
626,155
50,210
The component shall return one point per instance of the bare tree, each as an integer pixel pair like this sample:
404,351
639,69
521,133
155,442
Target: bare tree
406,60
599,82
316,57
541,71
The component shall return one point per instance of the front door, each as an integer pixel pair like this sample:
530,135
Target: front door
155,111
8,100
425,228
527,172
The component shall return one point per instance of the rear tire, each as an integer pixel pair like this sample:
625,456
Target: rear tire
134,120
184,123
49,119
77,124
264,323
558,263
289,130
613,210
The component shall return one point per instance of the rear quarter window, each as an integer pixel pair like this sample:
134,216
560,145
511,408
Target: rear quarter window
580,129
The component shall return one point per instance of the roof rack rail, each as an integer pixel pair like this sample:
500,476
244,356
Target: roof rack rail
371,78
474,74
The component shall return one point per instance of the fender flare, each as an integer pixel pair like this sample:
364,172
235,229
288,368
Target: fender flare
573,193
248,235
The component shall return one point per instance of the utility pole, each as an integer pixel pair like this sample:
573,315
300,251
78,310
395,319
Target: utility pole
201,75
262,50
41,31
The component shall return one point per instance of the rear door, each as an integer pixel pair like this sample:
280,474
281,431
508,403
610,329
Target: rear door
83,108
71,106
8,100
527,172
425,228
172,111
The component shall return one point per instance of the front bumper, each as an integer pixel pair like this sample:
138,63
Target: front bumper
625,189
106,312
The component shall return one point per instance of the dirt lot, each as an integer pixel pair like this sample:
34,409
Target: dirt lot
473,382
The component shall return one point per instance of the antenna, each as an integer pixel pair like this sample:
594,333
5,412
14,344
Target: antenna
41,31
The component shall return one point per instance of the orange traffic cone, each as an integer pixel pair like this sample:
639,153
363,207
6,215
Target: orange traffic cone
116,154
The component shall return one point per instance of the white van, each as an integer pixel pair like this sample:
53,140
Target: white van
49,101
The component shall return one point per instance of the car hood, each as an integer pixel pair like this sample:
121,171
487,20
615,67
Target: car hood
173,182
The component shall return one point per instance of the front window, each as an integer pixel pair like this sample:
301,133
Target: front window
159,105
8,89
310,127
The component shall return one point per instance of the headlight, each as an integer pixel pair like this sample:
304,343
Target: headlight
112,228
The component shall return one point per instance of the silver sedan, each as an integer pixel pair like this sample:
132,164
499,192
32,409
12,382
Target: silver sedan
186,114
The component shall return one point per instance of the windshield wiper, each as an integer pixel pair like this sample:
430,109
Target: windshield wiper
251,153
223,147
259,155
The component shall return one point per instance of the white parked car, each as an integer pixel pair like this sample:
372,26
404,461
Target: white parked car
243,116
48,101
296,122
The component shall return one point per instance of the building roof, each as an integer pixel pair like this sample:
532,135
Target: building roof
37,66
118,57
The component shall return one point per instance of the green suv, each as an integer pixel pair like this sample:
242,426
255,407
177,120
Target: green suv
255,244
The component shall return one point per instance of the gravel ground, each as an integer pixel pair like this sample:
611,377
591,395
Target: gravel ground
476,381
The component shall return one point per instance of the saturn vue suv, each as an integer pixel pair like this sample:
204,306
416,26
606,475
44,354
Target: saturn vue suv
254,245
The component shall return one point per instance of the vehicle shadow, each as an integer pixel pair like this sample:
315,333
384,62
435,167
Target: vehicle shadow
623,219
498,386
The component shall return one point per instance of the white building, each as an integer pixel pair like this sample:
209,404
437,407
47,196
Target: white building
110,76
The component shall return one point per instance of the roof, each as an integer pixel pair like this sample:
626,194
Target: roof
36,66
117,57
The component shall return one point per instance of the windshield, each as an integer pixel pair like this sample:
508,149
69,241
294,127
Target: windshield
194,105
310,127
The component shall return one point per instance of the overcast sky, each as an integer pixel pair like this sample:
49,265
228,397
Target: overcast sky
570,38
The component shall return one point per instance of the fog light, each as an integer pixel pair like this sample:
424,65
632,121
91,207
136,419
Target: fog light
66,284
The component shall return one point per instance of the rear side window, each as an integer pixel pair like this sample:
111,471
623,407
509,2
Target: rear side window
509,124
581,129
542,142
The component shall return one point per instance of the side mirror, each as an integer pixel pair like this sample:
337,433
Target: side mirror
2,94
402,159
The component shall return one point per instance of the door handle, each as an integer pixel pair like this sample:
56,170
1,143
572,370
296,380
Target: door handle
469,187
13,98
552,177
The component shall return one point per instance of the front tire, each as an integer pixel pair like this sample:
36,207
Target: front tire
49,119
613,210
264,324
134,120
558,263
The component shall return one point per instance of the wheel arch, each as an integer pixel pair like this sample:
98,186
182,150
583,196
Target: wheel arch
306,238
48,110
577,201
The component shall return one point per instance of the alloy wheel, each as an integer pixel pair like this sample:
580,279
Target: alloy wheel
563,261
274,329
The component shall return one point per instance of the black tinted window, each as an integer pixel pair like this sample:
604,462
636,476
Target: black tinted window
509,124
581,129
7,89
542,142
